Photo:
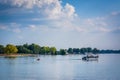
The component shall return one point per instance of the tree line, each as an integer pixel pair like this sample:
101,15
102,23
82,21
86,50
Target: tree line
28,49
46,50
82,50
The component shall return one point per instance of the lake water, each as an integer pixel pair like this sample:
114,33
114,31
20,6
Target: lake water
69,67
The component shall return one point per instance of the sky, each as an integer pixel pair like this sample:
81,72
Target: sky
61,23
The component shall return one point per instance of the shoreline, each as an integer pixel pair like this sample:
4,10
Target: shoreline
18,55
34,55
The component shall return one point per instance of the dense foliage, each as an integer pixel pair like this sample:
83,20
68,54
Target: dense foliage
1,49
36,49
82,50
62,51
45,50
9,49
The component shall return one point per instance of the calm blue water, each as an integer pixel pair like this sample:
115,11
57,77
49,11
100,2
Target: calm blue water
68,67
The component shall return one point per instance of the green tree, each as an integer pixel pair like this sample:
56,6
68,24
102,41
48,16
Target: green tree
62,52
95,50
1,49
53,50
47,49
22,49
10,49
76,50
34,48
42,50
83,50
89,49
70,50
26,45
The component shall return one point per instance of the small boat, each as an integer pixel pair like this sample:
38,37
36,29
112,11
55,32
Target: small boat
38,59
90,57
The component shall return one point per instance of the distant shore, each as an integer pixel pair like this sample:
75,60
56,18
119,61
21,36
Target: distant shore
17,55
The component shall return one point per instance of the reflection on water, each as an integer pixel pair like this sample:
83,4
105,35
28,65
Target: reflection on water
9,57
69,67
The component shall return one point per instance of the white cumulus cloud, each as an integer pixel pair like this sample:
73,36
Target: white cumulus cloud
32,27
50,8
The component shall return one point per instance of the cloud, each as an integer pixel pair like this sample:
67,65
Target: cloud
102,29
93,22
17,30
51,14
105,24
14,27
79,29
51,9
32,27
69,10
2,27
19,3
108,23
36,19
20,37
115,13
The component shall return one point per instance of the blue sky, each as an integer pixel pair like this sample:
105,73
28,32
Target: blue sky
61,23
